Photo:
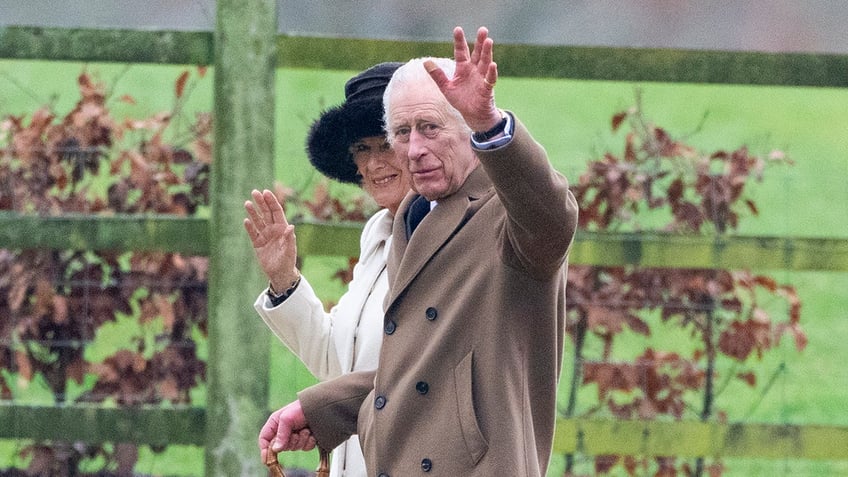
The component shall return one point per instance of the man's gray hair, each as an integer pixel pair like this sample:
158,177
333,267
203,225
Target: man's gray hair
413,74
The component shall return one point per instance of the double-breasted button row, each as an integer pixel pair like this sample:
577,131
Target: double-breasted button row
390,326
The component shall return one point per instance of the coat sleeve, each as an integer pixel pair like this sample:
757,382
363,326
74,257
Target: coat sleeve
332,407
541,211
304,327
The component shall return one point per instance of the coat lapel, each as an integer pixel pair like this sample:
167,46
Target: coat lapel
408,256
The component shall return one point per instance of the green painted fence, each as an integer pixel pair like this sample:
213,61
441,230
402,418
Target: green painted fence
592,437
246,51
575,62
168,233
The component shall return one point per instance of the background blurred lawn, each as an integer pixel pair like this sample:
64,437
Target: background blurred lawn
571,119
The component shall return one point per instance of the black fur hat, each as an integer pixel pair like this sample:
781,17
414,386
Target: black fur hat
360,116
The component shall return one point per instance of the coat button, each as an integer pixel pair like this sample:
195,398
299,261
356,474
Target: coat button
390,327
380,402
422,387
426,465
382,474
431,313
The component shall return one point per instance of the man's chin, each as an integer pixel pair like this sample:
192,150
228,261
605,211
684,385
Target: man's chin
429,188
428,193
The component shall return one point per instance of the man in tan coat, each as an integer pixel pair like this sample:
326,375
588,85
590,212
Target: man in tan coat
474,322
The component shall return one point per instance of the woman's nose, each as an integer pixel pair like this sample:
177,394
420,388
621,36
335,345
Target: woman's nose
378,159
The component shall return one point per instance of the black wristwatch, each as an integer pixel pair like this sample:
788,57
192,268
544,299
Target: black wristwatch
486,135
483,141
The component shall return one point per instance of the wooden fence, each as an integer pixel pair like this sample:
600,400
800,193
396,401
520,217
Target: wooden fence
246,51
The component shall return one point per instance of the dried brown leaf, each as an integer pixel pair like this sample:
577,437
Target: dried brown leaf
180,84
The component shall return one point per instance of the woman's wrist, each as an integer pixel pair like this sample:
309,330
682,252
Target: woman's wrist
277,296
283,282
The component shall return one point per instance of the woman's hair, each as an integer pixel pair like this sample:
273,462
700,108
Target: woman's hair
413,75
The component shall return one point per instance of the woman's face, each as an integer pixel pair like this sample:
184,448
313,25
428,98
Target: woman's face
384,175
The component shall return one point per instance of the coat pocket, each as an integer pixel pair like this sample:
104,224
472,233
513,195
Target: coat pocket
475,442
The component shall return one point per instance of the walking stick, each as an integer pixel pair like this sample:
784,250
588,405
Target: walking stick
277,470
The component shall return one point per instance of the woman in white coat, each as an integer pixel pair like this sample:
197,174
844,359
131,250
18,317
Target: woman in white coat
346,143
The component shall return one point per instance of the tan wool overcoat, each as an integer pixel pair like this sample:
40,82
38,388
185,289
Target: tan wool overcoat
473,330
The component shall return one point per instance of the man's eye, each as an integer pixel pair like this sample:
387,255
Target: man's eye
402,134
430,130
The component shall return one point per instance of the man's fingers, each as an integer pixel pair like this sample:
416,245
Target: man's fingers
485,55
491,75
278,435
283,440
482,34
436,73
479,51
263,443
286,429
301,440
310,443
294,442
460,47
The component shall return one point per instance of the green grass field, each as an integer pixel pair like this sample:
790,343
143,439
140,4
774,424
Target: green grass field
571,119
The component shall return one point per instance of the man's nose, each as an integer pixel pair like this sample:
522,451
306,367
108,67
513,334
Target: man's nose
417,144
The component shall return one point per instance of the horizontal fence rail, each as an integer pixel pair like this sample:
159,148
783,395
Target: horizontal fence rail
700,439
186,426
577,62
94,424
184,235
648,249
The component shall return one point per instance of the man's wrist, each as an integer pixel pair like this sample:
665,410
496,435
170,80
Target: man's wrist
495,131
496,138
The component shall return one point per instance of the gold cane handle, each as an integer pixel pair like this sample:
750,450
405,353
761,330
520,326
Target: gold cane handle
323,464
276,470
274,467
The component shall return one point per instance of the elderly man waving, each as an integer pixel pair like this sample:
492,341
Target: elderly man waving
475,314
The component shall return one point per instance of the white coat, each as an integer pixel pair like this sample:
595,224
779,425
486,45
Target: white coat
348,337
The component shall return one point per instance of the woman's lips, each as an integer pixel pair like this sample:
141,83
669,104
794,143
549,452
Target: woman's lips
384,180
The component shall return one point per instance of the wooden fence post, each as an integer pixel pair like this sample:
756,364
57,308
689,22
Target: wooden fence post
237,401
